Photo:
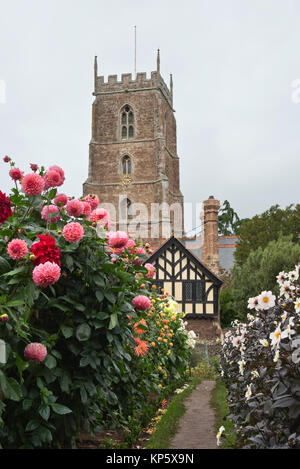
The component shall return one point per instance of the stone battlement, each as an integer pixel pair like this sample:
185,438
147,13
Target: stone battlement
127,83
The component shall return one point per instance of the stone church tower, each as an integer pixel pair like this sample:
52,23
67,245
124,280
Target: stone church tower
133,161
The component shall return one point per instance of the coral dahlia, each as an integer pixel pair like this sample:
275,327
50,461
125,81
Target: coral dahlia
35,352
33,184
17,249
5,207
73,232
141,303
137,328
142,347
46,274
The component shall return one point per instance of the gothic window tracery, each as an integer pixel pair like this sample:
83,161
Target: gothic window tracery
127,123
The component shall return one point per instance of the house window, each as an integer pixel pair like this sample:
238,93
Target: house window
192,291
127,123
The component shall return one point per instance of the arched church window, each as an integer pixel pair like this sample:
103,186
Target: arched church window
126,165
127,122
126,209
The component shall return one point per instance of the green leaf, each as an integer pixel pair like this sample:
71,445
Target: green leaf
60,409
26,404
65,383
32,425
4,265
99,295
69,262
110,297
50,362
14,272
44,411
14,303
45,434
113,321
66,331
10,388
83,332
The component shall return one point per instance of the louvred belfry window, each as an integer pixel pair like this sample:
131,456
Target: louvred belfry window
127,123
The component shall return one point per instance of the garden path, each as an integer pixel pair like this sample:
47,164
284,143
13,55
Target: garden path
197,426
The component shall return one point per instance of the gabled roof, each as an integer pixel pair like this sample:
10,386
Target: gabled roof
188,254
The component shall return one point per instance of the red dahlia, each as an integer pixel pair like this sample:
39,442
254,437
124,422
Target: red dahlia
45,250
5,208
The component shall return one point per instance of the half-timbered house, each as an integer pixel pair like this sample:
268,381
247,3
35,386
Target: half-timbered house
192,285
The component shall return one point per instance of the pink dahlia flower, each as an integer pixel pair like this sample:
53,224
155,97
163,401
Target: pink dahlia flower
93,200
52,178
32,184
35,352
86,208
73,232
60,172
47,212
141,303
74,208
118,239
60,200
130,245
46,274
17,249
98,214
16,174
151,270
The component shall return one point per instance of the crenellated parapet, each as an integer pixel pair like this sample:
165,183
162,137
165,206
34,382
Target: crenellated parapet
127,83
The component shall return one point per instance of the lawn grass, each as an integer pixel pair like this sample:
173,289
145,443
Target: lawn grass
219,404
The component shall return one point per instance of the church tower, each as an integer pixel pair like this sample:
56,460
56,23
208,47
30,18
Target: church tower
133,161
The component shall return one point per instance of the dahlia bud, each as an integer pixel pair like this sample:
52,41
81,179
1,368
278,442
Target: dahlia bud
3,317
6,159
35,352
34,167
32,257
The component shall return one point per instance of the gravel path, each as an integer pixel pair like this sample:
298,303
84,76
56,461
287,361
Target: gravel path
196,428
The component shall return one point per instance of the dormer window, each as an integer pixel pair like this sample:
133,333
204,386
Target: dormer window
127,123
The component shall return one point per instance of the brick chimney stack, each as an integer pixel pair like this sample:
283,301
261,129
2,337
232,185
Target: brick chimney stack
210,250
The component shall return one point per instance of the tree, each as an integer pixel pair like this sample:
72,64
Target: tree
259,271
270,225
229,221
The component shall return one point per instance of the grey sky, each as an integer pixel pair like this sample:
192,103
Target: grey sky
233,62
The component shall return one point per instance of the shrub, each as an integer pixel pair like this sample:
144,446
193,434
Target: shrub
260,270
70,293
260,368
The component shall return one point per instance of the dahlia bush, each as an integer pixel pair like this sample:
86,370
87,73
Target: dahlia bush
260,368
88,340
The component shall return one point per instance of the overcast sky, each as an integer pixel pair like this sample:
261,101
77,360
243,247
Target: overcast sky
233,64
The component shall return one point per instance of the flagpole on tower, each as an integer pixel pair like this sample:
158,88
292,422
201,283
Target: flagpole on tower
135,52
